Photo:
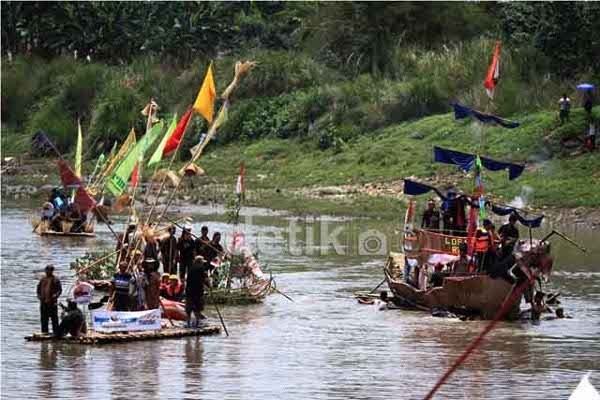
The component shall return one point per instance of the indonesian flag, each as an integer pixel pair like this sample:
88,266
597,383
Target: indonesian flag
239,186
493,74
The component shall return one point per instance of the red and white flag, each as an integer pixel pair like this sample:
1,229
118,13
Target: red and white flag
493,74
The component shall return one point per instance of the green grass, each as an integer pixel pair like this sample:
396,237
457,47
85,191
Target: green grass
557,179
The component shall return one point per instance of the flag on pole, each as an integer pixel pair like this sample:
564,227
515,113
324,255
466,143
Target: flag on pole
135,175
205,102
194,149
221,118
82,199
240,187
118,180
493,74
78,150
158,153
123,150
175,138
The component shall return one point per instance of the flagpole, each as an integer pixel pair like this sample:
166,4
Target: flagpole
162,184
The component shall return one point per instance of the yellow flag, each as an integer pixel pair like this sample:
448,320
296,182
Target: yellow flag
205,102
78,150
122,152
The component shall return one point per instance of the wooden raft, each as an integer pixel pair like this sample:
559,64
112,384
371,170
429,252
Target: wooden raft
105,338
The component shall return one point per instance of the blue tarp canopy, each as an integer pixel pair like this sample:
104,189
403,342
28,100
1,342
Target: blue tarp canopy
416,188
465,161
461,112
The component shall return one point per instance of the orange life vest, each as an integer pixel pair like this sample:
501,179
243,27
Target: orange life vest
482,242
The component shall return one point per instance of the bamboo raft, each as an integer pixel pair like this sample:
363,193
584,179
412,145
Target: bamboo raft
93,337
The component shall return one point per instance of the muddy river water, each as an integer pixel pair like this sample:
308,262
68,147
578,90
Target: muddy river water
323,345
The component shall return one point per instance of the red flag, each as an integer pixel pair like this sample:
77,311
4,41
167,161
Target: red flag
135,175
175,139
493,74
83,201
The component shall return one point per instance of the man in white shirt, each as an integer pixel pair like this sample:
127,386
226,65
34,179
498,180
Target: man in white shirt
564,104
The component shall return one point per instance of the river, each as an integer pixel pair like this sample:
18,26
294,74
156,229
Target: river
323,345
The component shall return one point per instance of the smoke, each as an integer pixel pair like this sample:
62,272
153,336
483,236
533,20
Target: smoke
522,199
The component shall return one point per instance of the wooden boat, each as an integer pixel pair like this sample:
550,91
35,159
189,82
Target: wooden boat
474,294
93,337
253,293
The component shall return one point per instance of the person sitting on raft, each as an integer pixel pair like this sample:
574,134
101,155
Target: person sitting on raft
174,290
73,321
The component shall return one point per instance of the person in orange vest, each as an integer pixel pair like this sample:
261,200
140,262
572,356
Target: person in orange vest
485,247
174,291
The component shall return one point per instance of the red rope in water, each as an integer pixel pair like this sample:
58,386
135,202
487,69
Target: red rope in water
508,301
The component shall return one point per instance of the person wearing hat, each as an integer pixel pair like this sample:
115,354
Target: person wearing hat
49,290
168,251
126,238
174,290
186,245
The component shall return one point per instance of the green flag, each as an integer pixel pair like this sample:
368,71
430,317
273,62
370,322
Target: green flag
157,156
118,180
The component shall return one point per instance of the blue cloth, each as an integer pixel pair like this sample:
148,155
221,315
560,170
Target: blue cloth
506,210
465,161
416,188
461,112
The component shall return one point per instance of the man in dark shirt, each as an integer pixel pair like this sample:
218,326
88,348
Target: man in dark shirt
48,292
203,243
431,216
168,251
194,290
187,251
73,322
215,249
509,234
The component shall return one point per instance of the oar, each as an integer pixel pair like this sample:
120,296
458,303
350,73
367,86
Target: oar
221,318
281,293
378,286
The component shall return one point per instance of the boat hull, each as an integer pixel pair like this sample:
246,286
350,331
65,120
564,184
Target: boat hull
472,294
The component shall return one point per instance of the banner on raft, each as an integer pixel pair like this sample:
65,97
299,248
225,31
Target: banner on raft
119,321
436,243
462,112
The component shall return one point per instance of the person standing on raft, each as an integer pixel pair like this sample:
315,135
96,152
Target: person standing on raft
197,278
49,290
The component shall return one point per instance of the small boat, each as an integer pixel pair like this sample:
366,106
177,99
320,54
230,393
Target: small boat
474,295
253,293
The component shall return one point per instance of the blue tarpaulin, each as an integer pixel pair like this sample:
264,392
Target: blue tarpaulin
461,112
465,161
416,188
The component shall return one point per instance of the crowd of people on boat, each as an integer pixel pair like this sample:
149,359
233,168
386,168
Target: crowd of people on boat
187,262
491,248
61,215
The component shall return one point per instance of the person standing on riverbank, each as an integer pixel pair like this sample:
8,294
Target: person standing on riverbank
564,105
49,290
